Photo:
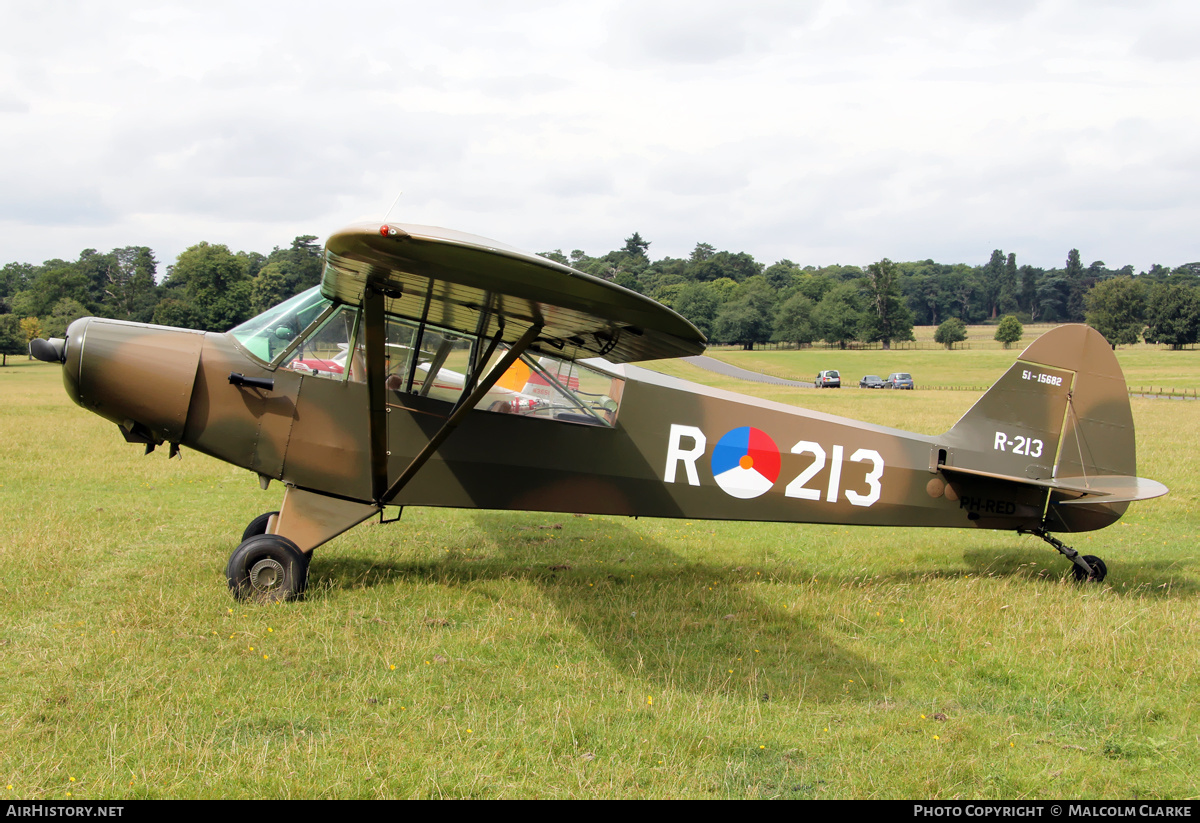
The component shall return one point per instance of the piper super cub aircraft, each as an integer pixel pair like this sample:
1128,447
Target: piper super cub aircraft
433,368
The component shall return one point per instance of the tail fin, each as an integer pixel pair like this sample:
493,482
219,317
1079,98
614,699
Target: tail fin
1059,418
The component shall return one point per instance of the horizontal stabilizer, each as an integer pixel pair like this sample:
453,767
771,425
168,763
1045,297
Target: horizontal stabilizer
1112,488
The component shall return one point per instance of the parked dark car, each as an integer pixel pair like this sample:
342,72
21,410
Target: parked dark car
829,379
871,381
900,380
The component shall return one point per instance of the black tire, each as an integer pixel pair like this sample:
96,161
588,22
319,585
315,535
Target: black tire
267,568
257,526
1099,570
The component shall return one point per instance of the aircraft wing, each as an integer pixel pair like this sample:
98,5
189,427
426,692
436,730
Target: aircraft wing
478,286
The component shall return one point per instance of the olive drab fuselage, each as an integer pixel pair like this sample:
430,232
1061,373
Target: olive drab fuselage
433,368
662,458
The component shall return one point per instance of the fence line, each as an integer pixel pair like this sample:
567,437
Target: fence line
1162,391
852,345
1140,391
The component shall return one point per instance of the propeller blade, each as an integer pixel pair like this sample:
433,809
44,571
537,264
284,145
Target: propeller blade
53,350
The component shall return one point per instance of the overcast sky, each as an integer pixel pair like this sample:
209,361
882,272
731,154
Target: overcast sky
821,132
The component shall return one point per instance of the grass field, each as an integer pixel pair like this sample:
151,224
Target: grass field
490,655
1148,368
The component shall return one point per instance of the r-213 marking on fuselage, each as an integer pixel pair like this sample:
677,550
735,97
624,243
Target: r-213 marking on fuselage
1028,446
798,487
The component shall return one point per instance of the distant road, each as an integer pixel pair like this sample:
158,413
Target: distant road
720,367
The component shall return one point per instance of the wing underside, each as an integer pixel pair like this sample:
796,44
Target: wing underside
476,286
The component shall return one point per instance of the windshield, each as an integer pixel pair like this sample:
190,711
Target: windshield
271,332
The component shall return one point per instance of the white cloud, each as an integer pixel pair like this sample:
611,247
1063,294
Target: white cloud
822,132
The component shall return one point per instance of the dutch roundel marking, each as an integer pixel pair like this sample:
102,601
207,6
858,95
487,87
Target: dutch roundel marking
745,462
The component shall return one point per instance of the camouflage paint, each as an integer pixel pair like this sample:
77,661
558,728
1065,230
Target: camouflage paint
1043,447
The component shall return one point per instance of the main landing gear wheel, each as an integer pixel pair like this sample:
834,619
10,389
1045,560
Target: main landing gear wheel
258,525
267,568
1099,570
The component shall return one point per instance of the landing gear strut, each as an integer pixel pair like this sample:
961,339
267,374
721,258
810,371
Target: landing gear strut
1087,567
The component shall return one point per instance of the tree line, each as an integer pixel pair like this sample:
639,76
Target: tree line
207,287
729,296
735,300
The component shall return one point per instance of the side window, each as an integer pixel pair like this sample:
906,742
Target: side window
398,339
548,388
334,350
435,362
433,366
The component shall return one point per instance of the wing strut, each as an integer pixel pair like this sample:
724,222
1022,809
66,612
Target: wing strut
460,411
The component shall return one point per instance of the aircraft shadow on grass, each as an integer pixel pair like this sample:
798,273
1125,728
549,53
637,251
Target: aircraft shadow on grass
647,609
686,624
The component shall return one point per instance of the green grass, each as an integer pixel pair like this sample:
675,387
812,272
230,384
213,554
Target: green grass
1150,368
489,654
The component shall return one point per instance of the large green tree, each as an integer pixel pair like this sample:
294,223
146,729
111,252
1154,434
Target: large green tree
748,317
11,339
950,332
1117,309
64,313
301,264
53,280
713,266
1027,295
14,277
270,286
781,275
213,285
1009,330
794,320
1078,283
886,318
839,315
131,290
1010,288
1172,315
699,303
991,283
635,245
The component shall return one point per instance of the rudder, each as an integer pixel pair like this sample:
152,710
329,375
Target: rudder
1059,415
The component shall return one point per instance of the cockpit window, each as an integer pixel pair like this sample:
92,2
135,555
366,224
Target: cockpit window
548,388
271,332
314,336
433,362
331,350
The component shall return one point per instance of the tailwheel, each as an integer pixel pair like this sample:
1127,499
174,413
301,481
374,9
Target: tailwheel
1087,568
267,568
1099,570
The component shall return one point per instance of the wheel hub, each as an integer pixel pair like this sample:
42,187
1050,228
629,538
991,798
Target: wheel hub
266,574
